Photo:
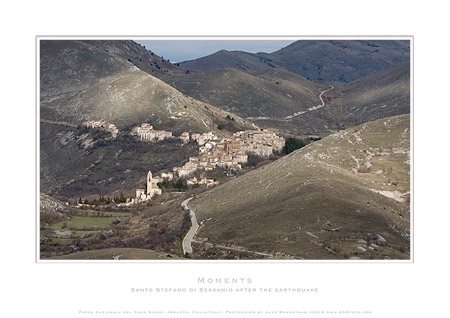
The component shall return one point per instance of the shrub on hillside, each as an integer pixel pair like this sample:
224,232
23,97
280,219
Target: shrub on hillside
292,144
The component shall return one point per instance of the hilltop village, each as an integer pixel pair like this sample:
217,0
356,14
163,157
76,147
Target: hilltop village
230,153
227,153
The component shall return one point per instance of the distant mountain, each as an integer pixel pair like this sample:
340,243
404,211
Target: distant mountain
239,60
322,60
344,196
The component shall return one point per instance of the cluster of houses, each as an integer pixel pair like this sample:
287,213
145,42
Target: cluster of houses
231,152
101,124
146,133
259,142
202,181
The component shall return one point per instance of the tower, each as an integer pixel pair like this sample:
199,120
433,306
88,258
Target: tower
149,183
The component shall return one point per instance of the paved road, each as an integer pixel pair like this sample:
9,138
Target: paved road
187,247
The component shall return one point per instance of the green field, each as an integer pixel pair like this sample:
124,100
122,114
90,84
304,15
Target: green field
80,222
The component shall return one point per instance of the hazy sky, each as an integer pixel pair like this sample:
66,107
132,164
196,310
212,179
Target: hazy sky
182,50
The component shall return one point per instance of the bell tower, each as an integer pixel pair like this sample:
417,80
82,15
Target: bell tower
149,183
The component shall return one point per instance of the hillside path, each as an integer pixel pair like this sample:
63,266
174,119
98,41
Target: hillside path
187,241
204,123
312,107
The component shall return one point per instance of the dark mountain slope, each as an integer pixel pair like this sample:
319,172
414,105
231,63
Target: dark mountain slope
78,162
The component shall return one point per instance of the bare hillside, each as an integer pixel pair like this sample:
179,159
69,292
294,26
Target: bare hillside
382,94
267,93
80,81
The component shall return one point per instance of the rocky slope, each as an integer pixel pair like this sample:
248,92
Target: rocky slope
53,210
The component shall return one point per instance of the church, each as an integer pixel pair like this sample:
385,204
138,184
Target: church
151,189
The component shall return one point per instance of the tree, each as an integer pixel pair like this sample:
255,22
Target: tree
292,144
220,126
180,186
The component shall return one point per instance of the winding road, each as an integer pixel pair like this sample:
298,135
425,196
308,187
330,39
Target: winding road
189,237
187,240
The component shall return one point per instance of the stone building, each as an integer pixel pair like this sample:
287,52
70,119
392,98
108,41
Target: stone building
167,175
140,194
185,137
232,146
147,133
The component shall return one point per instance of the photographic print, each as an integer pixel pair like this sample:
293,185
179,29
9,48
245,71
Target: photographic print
188,149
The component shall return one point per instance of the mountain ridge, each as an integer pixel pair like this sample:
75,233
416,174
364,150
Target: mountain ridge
322,60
